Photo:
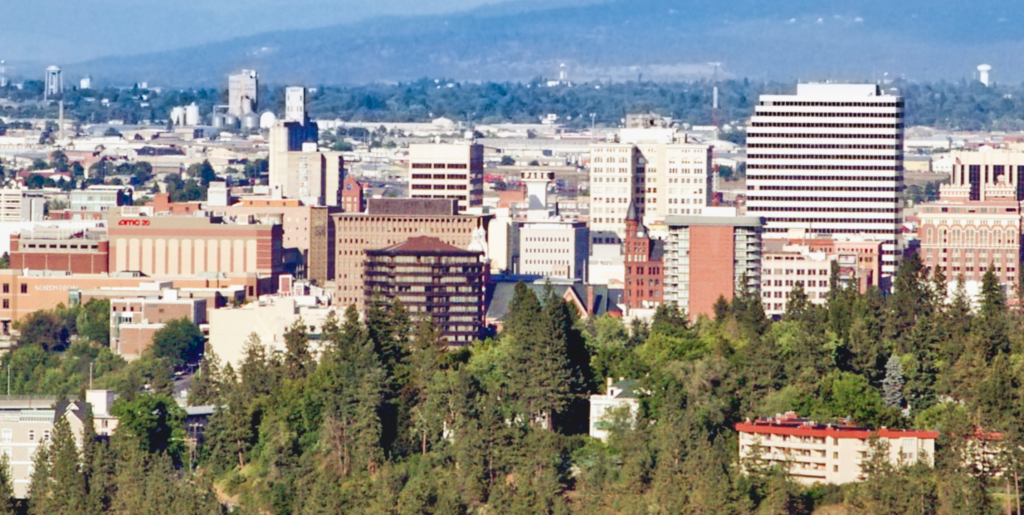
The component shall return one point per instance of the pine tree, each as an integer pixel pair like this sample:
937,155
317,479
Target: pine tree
205,385
40,489
6,487
69,494
892,385
298,361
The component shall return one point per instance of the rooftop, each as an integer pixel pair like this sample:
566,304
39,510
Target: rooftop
792,425
423,245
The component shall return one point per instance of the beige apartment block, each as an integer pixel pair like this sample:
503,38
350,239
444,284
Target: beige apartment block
657,169
828,453
447,171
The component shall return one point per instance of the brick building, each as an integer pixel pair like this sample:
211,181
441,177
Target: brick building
388,222
133,322
78,251
434,279
169,245
645,271
965,238
707,257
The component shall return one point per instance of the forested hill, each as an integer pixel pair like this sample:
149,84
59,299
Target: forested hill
618,40
963,105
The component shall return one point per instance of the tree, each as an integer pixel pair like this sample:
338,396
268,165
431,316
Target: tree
40,490
93,321
46,329
892,385
7,506
180,341
507,160
298,361
68,491
207,382
202,172
155,421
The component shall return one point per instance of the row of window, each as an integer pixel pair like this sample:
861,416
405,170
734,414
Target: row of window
830,125
7,288
826,230
440,176
855,157
455,166
821,145
751,135
829,115
827,209
830,104
826,167
829,220
790,271
758,177
829,188
822,199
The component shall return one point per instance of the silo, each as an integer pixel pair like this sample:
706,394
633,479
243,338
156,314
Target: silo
217,120
230,121
251,121
178,115
192,115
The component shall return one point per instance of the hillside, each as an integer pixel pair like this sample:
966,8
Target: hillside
622,40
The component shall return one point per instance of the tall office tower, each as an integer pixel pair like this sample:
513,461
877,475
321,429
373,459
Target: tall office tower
298,168
829,161
449,171
242,89
54,83
654,167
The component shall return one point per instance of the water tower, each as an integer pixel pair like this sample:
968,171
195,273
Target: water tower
54,84
983,73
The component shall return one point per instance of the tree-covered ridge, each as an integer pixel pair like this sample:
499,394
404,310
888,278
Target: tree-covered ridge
946,105
388,420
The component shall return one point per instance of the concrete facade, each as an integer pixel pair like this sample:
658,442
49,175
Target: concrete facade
452,171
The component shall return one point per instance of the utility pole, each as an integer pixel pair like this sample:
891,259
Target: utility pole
90,375
592,117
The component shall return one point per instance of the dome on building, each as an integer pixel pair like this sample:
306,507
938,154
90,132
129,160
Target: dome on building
267,120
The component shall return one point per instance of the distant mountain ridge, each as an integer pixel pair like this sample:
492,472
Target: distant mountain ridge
619,40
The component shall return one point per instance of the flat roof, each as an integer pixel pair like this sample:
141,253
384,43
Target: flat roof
731,221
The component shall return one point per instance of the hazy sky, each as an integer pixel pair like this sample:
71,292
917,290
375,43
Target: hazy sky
67,31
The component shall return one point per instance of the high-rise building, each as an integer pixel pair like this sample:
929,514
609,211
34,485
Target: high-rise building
707,257
391,221
299,169
448,171
433,279
242,91
829,161
651,166
53,84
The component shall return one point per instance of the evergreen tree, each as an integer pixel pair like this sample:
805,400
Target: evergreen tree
892,385
68,490
205,385
298,360
7,503
40,491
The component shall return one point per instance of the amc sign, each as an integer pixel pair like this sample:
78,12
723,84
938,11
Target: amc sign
135,222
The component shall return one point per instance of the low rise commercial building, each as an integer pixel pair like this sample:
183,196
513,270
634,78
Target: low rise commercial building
78,251
21,205
99,198
828,453
134,322
432,279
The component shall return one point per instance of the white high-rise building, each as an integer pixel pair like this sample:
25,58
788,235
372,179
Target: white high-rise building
295,104
829,161
653,166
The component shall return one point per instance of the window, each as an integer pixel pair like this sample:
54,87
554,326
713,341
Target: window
46,435
6,435
835,468
24,288
835,455
31,435
7,288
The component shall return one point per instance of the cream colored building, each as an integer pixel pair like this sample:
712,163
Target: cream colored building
19,205
449,171
25,424
242,91
783,266
988,174
657,169
268,318
299,169
617,395
826,453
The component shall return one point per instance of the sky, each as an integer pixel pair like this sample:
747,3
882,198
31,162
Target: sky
68,31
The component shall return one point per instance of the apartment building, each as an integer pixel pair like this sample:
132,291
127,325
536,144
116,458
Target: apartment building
786,264
433,279
25,424
649,165
827,453
388,222
447,171
829,160
708,257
